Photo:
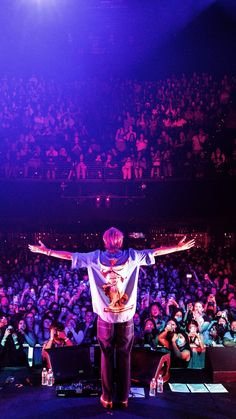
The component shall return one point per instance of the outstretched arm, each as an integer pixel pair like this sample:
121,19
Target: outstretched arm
182,245
61,254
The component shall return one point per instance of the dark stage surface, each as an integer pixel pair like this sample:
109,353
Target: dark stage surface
25,398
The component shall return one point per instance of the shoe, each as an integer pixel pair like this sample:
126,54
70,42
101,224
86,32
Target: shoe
107,405
124,404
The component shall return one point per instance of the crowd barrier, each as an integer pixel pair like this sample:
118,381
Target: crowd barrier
34,356
218,361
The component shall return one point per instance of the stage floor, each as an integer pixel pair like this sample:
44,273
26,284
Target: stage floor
26,398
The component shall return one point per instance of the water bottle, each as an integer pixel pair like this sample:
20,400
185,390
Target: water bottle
160,384
50,378
44,379
153,385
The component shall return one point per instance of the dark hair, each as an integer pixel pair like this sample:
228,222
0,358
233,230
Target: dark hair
149,320
187,343
156,303
176,310
173,320
194,322
57,325
45,317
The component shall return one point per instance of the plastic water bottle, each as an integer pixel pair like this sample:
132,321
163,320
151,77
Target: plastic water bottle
44,380
50,378
153,386
160,384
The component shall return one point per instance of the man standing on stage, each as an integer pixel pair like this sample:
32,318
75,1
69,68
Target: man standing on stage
113,276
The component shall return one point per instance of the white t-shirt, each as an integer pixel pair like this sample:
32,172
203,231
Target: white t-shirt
113,280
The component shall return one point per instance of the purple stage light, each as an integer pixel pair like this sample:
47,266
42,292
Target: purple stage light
41,3
98,202
108,202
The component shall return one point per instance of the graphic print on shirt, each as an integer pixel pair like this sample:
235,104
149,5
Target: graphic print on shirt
114,287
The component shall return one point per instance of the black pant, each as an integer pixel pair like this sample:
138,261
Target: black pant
119,337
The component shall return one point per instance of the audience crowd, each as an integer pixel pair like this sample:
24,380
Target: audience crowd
125,129
185,303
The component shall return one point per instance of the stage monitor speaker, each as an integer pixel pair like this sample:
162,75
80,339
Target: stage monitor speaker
70,363
221,363
147,363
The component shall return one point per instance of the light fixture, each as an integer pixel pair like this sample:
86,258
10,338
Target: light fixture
98,202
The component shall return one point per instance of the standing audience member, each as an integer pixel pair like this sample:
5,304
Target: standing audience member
11,350
230,337
195,338
57,339
24,335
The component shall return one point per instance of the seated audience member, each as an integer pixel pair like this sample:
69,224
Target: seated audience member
57,339
230,336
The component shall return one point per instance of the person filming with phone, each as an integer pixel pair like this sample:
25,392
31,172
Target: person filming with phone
11,349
